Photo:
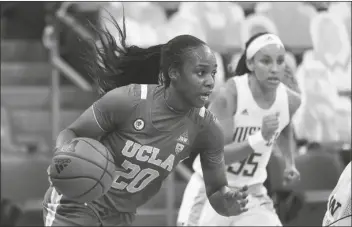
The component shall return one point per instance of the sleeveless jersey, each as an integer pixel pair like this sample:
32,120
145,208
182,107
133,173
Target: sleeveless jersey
248,120
339,204
144,155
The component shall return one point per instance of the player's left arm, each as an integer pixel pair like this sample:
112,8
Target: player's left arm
210,144
286,141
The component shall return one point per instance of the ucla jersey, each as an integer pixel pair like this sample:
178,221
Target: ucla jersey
248,120
144,154
339,204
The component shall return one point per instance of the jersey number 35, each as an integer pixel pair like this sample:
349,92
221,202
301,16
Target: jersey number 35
247,167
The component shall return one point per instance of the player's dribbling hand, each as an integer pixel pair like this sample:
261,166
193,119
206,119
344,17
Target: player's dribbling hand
237,201
64,147
291,176
269,126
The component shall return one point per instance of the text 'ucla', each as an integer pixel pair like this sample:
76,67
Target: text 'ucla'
147,154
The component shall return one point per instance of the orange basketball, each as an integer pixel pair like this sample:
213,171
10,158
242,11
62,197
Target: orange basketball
82,171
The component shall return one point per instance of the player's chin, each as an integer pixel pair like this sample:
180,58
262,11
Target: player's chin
199,102
272,84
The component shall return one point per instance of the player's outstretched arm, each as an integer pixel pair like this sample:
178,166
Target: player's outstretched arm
102,117
225,201
286,142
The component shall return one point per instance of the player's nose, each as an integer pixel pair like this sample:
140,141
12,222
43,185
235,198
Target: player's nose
274,68
209,82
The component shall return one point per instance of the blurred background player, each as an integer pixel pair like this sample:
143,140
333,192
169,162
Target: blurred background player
169,119
255,110
338,208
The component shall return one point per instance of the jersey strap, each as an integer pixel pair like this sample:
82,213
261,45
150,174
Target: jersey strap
144,91
202,112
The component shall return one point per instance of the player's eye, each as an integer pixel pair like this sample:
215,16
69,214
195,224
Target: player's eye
213,73
201,73
280,61
266,61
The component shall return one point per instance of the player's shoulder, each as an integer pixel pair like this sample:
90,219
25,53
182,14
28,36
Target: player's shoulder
230,86
125,97
294,100
225,101
141,91
202,117
209,135
131,92
233,86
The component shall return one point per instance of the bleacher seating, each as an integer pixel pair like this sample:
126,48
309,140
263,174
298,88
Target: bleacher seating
342,10
323,73
330,40
292,20
219,21
182,23
254,24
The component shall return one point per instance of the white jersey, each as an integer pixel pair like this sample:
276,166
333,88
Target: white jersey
248,120
338,211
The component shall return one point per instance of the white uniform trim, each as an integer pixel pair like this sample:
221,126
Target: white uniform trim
202,112
96,120
52,207
144,91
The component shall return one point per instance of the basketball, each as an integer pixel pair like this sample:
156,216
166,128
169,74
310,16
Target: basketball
82,170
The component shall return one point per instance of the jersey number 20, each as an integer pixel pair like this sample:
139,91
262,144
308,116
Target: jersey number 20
250,162
139,178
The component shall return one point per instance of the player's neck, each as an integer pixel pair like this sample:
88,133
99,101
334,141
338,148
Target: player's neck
174,102
260,92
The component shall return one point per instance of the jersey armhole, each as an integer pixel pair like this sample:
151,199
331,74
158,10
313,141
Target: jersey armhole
96,119
236,87
287,90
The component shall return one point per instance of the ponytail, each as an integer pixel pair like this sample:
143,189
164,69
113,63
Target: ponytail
111,65
241,67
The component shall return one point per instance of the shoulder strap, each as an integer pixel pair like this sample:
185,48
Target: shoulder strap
144,91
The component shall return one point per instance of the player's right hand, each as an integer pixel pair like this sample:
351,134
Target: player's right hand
237,201
269,126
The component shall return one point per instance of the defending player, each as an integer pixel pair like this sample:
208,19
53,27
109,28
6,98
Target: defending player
338,211
170,119
254,110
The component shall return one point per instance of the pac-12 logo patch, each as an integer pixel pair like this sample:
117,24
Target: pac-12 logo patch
138,124
179,147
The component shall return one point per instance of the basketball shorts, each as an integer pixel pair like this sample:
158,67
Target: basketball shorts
261,212
59,211
194,198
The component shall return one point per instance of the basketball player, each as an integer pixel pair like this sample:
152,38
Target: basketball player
148,129
254,110
338,211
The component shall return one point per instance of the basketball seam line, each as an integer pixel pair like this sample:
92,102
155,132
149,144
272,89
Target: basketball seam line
112,161
104,169
98,182
71,178
87,160
107,150
101,177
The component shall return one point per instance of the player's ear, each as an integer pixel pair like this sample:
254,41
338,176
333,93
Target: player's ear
250,64
173,74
